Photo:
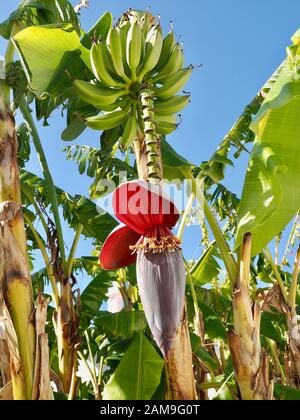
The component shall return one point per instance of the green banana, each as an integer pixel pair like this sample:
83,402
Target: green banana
114,46
171,106
154,42
120,103
134,48
99,66
97,95
130,131
123,32
144,18
173,64
164,128
107,120
174,83
147,21
167,48
172,119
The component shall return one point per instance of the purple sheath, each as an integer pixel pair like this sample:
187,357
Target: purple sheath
161,282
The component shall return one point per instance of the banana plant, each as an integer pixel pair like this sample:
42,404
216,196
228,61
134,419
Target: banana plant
135,83
125,81
24,330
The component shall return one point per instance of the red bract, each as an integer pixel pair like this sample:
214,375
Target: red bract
146,238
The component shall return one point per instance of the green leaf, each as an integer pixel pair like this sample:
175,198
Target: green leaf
96,225
271,192
283,392
215,168
99,30
201,352
40,12
213,326
206,268
270,327
174,165
95,293
73,130
43,49
121,324
138,374
77,209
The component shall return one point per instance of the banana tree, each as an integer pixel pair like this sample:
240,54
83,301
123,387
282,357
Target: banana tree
132,76
24,328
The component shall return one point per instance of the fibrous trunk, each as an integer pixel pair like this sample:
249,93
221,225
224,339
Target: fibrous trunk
251,363
15,280
16,295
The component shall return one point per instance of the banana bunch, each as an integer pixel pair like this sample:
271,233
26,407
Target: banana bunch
133,57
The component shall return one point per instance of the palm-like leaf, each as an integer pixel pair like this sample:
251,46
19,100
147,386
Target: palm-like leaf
271,193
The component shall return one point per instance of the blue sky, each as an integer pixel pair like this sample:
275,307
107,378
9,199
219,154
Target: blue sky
239,45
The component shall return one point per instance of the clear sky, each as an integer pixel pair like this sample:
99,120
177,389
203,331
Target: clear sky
239,44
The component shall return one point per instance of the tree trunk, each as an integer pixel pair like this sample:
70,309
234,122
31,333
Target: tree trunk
250,361
179,368
15,276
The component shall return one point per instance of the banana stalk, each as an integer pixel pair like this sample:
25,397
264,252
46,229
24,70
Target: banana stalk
152,140
250,361
179,367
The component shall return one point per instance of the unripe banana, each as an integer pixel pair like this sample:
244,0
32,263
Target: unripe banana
154,42
167,48
172,119
164,128
97,95
100,69
123,32
114,47
147,21
171,106
173,64
174,83
130,131
133,48
120,103
107,120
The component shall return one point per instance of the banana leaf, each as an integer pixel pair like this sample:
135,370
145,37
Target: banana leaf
138,374
271,192
206,268
120,324
48,53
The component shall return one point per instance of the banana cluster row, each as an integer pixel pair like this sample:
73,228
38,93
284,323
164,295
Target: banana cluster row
134,57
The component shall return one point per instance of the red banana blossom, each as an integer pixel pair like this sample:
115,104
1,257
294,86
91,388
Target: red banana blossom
146,238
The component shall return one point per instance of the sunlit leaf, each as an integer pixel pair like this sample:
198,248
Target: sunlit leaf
44,54
271,192
98,31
